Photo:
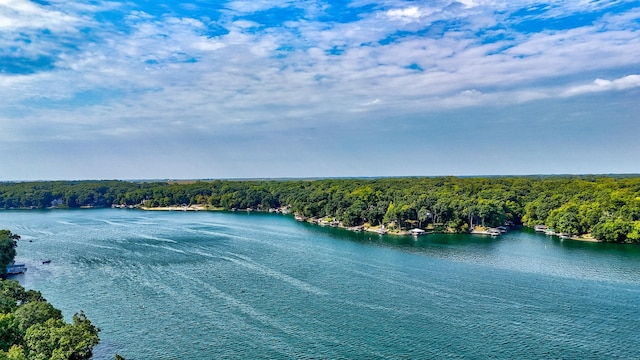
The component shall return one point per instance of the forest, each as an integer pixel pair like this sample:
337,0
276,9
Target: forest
30,327
605,207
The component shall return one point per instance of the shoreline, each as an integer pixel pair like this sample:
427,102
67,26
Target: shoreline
585,238
563,236
181,208
380,230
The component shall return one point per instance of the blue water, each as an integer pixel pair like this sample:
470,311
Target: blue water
205,285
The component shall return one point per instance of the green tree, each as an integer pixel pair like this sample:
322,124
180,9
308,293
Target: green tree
565,219
35,312
458,225
613,230
634,234
16,352
405,214
9,331
353,215
423,215
490,212
12,290
391,214
57,340
8,243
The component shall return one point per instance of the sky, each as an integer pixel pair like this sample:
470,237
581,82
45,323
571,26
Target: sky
146,89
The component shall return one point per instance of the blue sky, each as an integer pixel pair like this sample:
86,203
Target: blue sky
282,88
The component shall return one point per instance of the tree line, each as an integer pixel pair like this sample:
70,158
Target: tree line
607,207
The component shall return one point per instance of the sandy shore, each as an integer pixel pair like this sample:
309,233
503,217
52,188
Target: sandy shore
587,238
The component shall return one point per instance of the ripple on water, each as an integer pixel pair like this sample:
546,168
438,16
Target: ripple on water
215,285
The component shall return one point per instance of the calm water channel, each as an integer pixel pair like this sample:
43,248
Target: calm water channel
206,285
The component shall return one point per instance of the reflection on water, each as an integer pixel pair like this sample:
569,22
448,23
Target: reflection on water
203,285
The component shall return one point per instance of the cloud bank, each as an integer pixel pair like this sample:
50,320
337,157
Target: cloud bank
125,70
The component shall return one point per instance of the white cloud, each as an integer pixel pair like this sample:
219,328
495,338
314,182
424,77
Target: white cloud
147,75
372,102
468,3
208,45
599,85
465,98
168,68
19,15
409,13
245,24
249,6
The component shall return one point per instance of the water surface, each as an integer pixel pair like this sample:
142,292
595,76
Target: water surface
203,285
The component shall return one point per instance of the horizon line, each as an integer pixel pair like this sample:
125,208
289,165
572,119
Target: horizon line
310,178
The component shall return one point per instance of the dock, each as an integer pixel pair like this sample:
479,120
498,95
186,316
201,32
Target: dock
15,269
492,232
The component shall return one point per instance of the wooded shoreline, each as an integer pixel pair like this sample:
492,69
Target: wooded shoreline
606,208
366,227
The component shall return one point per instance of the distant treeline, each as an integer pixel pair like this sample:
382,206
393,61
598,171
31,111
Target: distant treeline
608,207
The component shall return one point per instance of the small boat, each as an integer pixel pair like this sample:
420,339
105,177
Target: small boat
416,232
48,261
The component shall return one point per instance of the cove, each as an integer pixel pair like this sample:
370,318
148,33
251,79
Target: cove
203,285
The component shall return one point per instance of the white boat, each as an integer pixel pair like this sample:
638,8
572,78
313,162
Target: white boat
416,232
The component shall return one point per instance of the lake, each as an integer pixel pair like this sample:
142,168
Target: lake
205,285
